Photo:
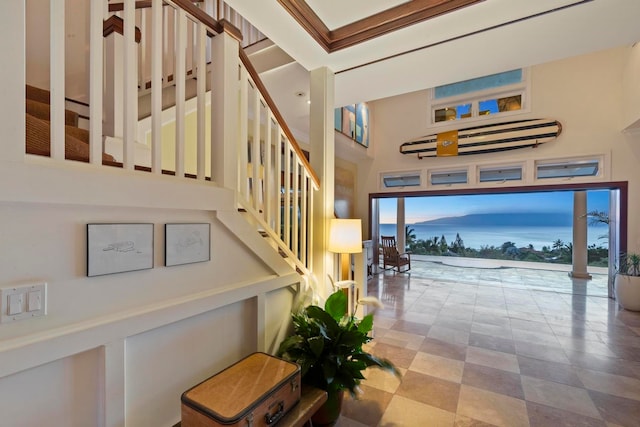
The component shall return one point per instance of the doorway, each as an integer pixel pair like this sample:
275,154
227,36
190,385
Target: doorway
467,223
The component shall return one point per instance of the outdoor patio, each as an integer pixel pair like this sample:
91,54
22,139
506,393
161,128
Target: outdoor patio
509,274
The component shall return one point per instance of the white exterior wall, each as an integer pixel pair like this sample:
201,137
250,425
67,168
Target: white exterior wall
584,93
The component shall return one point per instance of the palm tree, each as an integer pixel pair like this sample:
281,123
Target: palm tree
409,235
557,245
598,217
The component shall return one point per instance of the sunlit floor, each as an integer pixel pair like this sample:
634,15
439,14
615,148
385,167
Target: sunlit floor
511,274
479,351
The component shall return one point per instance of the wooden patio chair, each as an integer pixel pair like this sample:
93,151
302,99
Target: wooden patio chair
401,261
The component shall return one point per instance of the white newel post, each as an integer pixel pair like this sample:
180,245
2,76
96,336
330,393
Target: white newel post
224,111
322,156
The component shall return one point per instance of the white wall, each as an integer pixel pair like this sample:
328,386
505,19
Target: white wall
631,88
147,335
584,93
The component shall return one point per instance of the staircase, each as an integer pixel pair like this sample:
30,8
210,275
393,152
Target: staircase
38,129
250,150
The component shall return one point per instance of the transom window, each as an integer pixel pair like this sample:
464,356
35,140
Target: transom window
475,99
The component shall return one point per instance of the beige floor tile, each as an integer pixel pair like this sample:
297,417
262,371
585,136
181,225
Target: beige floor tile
417,317
429,390
615,385
493,359
383,322
437,366
409,341
347,422
401,357
403,412
493,408
449,335
539,337
492,330
559,396
462,421
382,380
542,352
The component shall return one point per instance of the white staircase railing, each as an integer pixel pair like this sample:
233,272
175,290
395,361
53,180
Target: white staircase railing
275,182
278,182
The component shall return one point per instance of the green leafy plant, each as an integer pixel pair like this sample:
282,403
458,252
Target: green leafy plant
629,265
327,344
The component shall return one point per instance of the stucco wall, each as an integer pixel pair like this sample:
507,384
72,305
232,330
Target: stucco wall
584,93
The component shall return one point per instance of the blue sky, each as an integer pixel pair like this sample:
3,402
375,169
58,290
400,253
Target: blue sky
427,208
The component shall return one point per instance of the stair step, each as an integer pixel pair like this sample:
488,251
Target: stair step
263,233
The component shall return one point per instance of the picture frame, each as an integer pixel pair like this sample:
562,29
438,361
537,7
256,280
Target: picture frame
186,243
349,120
353,121
118,248
362,124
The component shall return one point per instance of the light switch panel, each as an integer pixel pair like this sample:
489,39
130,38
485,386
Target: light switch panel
15,304
23,302
34,300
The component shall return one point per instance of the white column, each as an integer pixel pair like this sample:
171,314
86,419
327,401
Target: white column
580,236
322,159
400,224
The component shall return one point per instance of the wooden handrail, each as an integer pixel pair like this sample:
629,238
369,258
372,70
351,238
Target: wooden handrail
115,24
141,4
200,15
272,105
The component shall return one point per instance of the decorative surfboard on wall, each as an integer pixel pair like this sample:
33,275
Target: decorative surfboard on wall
485,138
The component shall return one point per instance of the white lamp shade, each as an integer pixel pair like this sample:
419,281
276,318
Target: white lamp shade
345,236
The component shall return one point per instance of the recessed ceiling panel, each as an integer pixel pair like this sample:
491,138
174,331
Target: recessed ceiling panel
338,13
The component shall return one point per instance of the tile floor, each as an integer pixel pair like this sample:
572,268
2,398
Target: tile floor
482,352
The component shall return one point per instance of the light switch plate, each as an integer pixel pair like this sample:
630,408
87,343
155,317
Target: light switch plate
23,302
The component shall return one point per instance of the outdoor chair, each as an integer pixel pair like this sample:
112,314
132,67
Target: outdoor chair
401,261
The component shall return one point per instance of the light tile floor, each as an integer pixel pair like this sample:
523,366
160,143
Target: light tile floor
482,351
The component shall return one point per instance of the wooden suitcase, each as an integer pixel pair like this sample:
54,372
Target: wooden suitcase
254,392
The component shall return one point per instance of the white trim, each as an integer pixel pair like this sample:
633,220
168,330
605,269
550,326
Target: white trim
35,349
528,174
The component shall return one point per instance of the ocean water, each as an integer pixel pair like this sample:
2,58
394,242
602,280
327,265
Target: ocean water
522,236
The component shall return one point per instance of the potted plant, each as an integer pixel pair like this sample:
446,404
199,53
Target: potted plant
327,344
627,282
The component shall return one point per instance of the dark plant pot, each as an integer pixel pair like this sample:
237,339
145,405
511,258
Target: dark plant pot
329,413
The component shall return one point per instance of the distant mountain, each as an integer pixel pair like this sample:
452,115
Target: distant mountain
506,219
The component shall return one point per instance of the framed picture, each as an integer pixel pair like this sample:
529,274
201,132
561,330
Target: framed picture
362,124
349,120
116,248
186,243
337,119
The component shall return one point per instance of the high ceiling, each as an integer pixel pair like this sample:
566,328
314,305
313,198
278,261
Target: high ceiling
482,38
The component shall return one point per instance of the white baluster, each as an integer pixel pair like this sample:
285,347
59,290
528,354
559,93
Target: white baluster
180,81
96,53
130,86
201,89
57,70
156,85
